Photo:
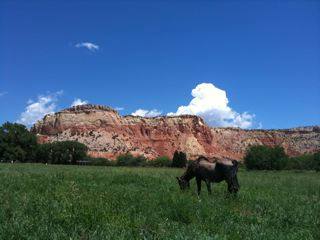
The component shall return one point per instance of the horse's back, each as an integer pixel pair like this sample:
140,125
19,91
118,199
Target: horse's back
207,165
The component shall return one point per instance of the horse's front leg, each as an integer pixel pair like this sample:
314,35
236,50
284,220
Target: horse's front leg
198,185
208,186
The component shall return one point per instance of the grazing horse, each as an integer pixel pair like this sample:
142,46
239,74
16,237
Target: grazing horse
203,170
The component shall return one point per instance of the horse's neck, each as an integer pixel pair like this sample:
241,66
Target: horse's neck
187,176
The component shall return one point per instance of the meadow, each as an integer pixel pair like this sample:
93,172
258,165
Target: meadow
40,201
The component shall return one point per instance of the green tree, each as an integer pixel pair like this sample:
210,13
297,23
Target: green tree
265,158
64,152
278,159
179,159
17,143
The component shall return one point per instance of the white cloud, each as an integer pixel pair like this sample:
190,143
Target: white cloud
78,101
88,45
36,110
146,113
3,93
211,103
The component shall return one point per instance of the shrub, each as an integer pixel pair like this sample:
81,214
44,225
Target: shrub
17,143
316,157
274,158
265,158
179,159
64,152
160,162
129,160
14,153
305,162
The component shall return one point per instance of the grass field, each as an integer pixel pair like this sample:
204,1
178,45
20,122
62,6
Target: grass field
77,202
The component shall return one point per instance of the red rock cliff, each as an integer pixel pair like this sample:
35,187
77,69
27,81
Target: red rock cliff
107,134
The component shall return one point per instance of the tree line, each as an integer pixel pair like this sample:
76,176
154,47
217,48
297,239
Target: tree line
179,160
18,144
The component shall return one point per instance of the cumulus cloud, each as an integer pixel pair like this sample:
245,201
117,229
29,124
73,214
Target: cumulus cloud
36,110
146,113
88,45
212,104
78,101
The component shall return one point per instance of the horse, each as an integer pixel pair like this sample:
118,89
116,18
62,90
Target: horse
204,170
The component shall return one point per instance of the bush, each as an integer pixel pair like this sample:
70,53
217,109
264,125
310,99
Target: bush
129,160
265,158
17,143
179,159
305,162
64,152
160,162
316,157
274,158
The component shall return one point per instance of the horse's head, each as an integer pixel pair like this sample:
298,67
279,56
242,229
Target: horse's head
184,184
233,185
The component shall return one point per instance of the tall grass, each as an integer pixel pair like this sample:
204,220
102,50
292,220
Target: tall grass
77,202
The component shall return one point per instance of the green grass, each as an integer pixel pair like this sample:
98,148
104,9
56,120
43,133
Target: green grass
77,202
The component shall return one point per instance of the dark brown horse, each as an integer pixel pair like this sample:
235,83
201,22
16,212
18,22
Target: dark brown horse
203,170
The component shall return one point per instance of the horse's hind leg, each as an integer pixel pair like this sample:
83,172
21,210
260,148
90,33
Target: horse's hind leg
231,188
198,185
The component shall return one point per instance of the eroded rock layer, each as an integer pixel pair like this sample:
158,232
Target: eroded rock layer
107,134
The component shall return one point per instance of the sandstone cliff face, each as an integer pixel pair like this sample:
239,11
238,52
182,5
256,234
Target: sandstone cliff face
107,134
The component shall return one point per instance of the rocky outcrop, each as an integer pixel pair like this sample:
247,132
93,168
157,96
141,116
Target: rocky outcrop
107,134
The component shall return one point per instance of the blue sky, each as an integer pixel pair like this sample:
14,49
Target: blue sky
259,60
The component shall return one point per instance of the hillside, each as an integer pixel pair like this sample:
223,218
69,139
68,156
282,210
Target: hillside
107,134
